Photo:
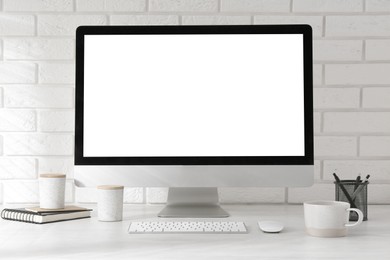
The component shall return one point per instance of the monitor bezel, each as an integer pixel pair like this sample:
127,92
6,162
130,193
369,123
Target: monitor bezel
305,30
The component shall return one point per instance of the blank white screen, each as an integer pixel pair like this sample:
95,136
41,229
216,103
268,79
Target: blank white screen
193,95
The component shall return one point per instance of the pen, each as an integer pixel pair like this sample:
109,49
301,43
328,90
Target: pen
356,192
357,182
353,205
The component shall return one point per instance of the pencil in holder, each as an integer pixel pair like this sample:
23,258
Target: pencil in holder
357,191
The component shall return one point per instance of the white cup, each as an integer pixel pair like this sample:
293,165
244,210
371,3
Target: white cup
110,202
52,191
329,218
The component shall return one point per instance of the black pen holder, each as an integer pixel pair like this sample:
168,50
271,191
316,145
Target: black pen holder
358,194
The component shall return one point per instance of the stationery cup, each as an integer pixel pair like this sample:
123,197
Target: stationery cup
329,218
110,202
358,194
52,191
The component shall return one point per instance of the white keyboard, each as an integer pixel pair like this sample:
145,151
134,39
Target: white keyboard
209,227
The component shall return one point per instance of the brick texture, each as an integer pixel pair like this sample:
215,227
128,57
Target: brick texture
62,164
38,5
378,49
337,50
31,96
183,6
376,97
362,26
334,98
351,74
56,121
15,25
111,5
38,144
357,122
56,73
17,168
215,20
375,146
18,72
39,49
255,6
58,25
144,19
335,146
328,6
17,120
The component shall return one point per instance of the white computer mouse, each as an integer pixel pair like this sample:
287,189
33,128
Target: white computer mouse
270,226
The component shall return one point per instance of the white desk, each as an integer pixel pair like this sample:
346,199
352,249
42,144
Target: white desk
89,238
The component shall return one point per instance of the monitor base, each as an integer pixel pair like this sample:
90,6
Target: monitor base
193,203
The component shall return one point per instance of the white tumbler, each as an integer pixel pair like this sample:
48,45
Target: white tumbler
110,202
52,191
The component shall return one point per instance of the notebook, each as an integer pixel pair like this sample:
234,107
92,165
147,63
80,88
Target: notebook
69,208
29,216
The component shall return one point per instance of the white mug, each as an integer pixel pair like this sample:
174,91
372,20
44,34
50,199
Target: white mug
329,218
52,191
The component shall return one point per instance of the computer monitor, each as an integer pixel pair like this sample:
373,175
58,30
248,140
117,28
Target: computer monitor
194,108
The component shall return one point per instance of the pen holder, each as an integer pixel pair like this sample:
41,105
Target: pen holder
358,194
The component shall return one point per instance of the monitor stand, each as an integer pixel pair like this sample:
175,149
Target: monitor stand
193,203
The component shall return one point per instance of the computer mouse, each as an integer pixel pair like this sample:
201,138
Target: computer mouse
270,226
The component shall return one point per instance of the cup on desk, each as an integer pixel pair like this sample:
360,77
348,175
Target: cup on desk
110,202
329,218
357,192
52,191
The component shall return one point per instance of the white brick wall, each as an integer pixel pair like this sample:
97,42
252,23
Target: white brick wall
38,49
336,98
357,122
338,50
375,146
17,25
335,146
215,20
17,168
359,26
376,97
255,6
38,144
17,72
59,164
353,74
56,120
144,19
351,93
38,5
17,120
183,6
35,96
65,25
111,5
328,6
378,49
56,73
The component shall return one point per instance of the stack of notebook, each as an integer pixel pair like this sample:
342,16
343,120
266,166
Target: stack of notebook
42,216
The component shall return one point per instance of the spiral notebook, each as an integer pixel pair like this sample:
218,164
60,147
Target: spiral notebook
28,216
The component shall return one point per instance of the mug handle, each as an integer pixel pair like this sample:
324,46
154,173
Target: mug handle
360,217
